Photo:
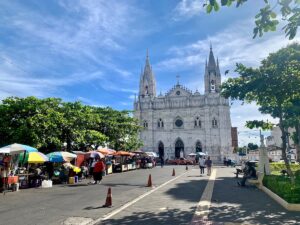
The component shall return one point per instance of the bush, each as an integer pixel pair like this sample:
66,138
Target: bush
282,186
281,166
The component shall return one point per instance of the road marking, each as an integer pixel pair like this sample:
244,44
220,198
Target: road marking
111,214
202,210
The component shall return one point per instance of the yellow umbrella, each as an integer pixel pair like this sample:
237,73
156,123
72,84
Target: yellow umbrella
36,157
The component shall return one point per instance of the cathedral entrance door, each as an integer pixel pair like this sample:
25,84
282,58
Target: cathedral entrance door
161,150
179,147
198,146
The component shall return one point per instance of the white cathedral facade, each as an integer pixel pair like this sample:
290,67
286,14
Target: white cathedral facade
181,121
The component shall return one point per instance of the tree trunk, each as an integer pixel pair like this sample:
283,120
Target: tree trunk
297,141
283,138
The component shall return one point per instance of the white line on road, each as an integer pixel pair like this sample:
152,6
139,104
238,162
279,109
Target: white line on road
202,210
111,214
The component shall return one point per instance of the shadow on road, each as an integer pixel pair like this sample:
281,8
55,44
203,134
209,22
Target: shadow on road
231,203
168,216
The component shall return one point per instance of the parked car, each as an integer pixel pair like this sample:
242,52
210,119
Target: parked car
180,161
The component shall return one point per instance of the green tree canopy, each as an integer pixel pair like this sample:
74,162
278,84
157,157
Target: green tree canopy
267,19
49,123
274,86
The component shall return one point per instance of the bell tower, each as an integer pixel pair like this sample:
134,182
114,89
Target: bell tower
147,81
212,75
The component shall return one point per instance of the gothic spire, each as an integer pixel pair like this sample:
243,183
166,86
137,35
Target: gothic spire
211,59
147,83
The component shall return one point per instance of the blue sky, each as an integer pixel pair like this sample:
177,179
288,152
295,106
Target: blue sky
93,50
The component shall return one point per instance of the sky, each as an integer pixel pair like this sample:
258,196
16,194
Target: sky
93,50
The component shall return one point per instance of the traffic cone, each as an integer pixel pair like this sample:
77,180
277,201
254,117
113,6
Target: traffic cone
173,174
108,202
149,181
186,167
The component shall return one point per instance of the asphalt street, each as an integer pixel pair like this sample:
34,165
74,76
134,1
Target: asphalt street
172,200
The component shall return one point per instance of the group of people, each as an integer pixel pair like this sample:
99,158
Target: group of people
249,172
205,163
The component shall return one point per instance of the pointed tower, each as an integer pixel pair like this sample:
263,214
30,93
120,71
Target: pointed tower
212,75
147,81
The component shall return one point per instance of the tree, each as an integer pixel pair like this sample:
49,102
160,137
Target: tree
252,146
273,86
293,120
267,19
49,123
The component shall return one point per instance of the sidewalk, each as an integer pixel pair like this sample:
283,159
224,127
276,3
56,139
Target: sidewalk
172,204
238,205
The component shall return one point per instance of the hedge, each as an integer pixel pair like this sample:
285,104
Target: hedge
281,185
281,166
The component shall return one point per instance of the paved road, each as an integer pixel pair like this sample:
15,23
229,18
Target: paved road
173,203
55,205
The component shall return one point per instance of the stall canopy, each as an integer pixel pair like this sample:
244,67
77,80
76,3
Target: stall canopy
95,154
16,149
124,153
61,156
201,153
106,151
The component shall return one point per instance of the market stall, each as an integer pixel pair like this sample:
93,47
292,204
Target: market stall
62,174
9,160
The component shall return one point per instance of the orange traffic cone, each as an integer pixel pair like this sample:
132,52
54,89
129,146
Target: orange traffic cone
173,174
149,181
108,202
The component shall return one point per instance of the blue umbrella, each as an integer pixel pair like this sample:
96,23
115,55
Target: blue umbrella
61,156
17,148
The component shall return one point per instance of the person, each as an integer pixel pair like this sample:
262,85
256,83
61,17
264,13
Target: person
225,161
92,165
249,172
208,164
98,171
201,165
50,170
162,162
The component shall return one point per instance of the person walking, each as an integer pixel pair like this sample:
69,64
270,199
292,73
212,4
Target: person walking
201,165
208,164
98,171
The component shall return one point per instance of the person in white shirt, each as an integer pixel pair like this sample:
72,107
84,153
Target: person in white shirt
201,165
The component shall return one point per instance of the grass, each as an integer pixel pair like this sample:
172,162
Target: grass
281,185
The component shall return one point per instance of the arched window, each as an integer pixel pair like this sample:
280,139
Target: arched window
160,123
214,122
198,146
197,122
145,124
212,85
146,90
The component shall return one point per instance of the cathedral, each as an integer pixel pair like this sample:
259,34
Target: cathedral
182,121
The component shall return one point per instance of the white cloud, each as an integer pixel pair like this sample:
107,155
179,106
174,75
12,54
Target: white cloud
187,8
233,44
84,36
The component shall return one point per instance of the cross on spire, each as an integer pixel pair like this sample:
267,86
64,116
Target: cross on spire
178,77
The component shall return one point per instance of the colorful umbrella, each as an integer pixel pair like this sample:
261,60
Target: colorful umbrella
76,169
16,149
61,156
106,151
123,153
95,154
35,157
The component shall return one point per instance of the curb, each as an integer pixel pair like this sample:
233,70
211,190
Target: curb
281,201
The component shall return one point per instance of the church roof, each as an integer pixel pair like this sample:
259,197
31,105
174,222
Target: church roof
183,91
